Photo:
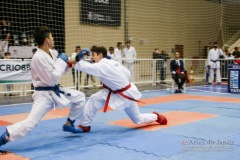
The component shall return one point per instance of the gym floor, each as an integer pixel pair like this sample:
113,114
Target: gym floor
203,123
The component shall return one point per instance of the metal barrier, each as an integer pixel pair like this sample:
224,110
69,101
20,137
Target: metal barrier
145,71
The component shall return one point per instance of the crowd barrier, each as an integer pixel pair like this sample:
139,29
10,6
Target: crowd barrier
145,71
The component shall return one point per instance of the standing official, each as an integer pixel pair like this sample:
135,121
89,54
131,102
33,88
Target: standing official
130,55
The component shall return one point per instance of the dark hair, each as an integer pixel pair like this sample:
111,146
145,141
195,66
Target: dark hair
99,50
34,50
128,42
156,49
93,48
7,53
77,47
118,44
41,33
111,48
215,43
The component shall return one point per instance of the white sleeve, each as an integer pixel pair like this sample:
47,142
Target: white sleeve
51,74
89,68
59,68
222,54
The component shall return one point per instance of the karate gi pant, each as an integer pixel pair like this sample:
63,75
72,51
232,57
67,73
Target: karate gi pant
218,75
130,67
215,67
42,104
97,102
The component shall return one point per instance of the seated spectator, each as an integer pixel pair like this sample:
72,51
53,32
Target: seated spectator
236,52
8,87
237,55
177,70
228,55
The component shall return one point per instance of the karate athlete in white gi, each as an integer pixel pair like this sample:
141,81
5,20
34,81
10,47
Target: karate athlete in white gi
213,61
130,55
46,70
118,93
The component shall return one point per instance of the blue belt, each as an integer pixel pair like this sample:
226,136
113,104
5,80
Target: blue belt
55,89
214,61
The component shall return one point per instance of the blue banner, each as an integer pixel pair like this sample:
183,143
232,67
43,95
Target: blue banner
234,78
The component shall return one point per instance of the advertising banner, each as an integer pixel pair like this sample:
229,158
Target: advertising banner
101,12
15,71
234,78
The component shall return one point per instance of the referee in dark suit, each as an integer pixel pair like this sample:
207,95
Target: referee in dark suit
177,70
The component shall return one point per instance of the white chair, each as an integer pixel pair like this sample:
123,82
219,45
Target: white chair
173,86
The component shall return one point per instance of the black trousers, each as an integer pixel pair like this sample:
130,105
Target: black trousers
162,73
162,70
179,79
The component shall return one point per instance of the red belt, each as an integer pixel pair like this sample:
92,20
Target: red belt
119,91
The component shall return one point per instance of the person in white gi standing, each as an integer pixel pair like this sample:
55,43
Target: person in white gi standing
214,63
118,52
130,55
46,70
117,92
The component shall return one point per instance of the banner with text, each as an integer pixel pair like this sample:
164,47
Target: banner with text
234,78
102,12
15,71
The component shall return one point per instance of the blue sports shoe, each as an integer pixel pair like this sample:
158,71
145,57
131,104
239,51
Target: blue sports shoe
71,127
